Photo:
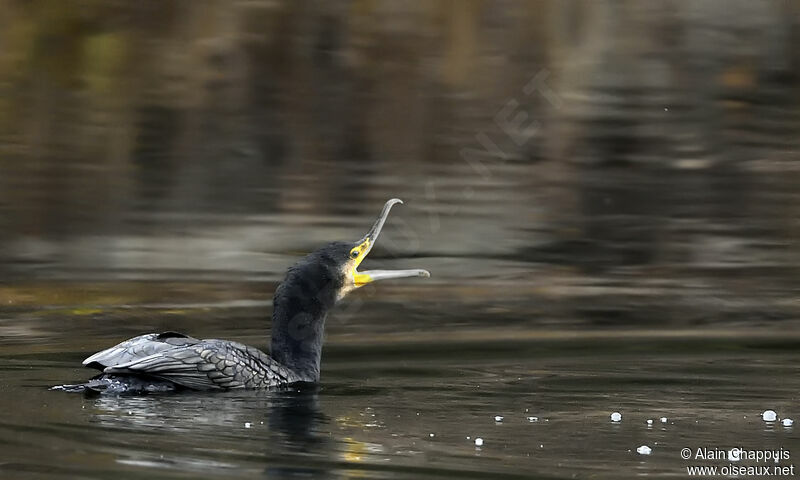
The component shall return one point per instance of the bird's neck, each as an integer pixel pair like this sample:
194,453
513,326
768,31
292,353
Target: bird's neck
300,306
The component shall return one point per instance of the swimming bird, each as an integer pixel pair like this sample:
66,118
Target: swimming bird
159,362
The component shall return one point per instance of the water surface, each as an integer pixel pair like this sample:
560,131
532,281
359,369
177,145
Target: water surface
401,404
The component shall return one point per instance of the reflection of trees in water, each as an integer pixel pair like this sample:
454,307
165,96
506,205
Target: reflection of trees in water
265,90
133,121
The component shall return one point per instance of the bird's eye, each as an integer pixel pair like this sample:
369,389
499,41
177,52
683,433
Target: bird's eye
354,254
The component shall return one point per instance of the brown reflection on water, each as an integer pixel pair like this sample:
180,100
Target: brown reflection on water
660,135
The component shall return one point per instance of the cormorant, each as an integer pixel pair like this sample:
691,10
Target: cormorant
158,362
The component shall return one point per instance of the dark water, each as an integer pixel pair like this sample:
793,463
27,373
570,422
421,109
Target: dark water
401,402
630,246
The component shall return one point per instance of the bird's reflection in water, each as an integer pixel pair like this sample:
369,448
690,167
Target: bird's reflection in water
226,431
296,416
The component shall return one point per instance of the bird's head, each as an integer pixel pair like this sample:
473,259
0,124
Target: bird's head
332,271
352,254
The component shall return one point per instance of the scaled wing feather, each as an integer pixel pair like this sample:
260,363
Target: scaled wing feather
138,347
210,364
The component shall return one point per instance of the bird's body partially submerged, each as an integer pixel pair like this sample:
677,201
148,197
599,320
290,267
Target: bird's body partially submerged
171,361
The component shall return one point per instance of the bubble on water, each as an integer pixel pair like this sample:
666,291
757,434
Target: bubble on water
431,435
247,424
649,422
787,422
769,416
663,419
478,442
644,450
498,418
616,417
533,419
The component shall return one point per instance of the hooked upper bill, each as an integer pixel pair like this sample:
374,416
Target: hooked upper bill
363,247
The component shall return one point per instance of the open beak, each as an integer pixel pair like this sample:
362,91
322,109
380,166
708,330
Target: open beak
365,245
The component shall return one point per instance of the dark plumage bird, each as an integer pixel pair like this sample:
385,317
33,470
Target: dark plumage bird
158,362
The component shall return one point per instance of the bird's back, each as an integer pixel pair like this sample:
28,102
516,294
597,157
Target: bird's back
170,360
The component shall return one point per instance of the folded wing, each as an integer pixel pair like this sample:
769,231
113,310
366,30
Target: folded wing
137,348
210,364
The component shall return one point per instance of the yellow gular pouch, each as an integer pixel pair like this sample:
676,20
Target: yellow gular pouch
358,254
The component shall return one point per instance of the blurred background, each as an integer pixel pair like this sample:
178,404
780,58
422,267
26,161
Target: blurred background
605,192
561,161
